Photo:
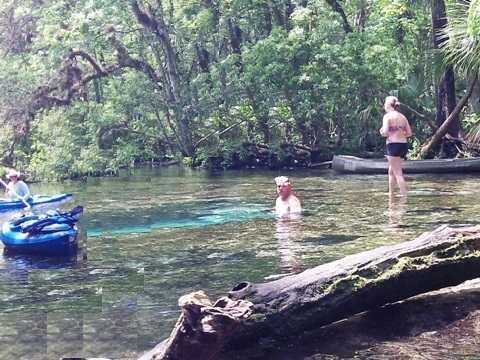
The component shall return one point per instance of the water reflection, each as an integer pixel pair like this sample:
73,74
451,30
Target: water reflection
14,267
397,207
287,233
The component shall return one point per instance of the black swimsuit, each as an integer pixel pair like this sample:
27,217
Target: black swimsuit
397,149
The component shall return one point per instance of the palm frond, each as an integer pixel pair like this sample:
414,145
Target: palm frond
473,135
436,65
410,91
461,45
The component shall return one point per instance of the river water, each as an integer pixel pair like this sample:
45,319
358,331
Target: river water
151,235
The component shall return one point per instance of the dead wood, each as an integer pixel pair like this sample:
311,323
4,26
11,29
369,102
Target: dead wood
203,329
443,129
356,283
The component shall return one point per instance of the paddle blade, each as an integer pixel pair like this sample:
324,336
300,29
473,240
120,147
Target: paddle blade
76,210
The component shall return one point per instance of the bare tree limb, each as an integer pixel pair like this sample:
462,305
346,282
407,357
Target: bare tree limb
443,129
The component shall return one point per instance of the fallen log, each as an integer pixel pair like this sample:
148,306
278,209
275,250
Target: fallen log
325,294
441,324
202,329
356,283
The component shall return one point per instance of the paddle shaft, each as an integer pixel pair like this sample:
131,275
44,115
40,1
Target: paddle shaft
14,193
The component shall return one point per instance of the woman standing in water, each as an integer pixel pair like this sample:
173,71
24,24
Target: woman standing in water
396,129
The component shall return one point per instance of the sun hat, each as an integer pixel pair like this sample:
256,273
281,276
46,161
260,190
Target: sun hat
13,172
282,181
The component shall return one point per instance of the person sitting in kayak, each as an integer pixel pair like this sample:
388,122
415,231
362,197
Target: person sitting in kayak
16,188
286,201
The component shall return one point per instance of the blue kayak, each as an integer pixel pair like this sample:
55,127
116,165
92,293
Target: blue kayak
53,233
13,204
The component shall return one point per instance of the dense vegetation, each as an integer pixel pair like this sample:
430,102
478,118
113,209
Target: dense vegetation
88,86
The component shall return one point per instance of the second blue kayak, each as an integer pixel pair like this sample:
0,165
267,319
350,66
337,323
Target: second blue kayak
13,204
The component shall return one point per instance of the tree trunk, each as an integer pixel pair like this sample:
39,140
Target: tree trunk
203,328
445,90
338,290
442,130
338,9
153,23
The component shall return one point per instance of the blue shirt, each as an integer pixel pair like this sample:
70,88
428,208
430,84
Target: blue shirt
19,188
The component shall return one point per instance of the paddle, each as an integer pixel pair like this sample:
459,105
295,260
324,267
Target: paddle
14,193
75,211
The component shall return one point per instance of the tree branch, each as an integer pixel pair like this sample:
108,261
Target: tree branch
338,9
443,129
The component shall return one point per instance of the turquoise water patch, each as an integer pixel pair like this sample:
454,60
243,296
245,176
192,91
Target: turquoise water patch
209,217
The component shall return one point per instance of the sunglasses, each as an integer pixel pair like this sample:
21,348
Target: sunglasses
282,181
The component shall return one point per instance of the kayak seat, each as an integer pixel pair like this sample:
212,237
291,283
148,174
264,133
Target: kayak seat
33,224
55,227
47,224
25,218
19,225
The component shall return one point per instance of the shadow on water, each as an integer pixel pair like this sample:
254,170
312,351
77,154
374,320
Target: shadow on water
331,239
434,210
14,267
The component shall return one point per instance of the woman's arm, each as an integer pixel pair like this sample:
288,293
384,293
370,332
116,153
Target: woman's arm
408,133
8,189
384,128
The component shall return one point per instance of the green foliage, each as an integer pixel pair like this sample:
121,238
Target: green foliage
472,127
462,45
473,19
263,78
188,161
55,146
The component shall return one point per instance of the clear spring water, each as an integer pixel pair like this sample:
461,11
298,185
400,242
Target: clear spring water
152,235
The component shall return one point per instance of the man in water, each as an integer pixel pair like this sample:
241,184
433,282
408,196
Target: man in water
286,201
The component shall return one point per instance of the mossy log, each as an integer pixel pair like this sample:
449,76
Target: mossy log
322,295
202,329
356,283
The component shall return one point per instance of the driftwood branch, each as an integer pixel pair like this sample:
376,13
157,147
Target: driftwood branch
219,132
357,283
203,329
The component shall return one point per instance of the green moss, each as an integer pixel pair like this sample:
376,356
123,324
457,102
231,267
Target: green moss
348,283
258,317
